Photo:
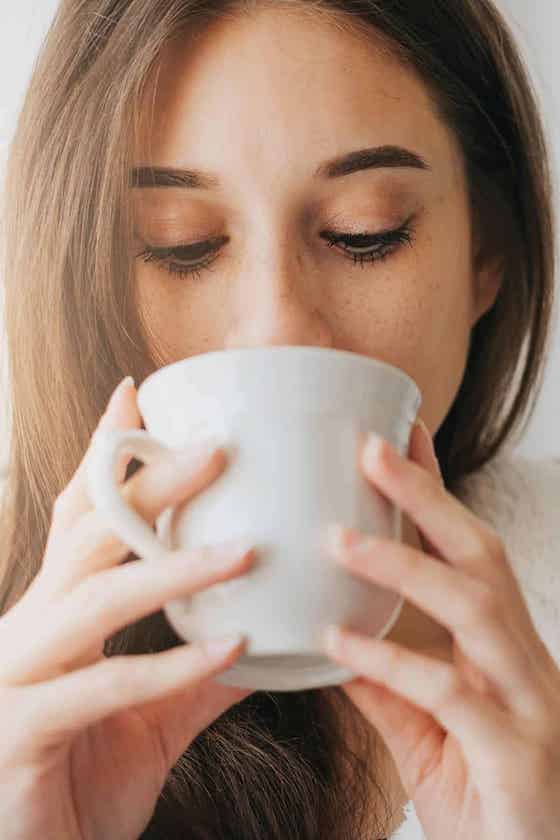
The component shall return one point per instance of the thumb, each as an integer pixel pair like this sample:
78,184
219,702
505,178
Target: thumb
413,737
421,449
179,718
122,413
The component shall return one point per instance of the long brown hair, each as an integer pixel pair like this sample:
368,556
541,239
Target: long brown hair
276,765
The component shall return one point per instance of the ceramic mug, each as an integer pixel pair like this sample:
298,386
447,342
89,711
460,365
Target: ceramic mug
293,421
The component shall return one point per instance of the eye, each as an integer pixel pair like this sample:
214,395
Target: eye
371,247
168,257
362,248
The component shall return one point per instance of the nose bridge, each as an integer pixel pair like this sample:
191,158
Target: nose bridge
278,292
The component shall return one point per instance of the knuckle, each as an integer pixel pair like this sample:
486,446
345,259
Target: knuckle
479,603
429,492
452,692
426,482
200,660
89,597
412,564
394,661
434,489
484,599
119,677
486,542
202,556
492,544
93,535
134,494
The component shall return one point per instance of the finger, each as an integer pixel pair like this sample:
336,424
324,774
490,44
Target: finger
104,603
492,629
437,688
88,547
421,449
91,545
413,736
422,452
175,478
121,413
455,532
53,709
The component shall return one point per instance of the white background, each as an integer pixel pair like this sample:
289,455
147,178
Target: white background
536,26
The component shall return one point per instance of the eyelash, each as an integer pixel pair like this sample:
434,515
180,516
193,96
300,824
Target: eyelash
385,243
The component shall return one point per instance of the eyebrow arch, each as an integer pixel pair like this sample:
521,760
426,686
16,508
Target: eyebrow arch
376,157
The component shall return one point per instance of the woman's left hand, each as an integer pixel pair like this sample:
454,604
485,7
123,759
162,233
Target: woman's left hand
476,741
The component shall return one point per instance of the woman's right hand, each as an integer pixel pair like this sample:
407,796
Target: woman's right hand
88,740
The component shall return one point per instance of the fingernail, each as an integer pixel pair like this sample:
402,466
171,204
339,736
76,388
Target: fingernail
113,401
200,450
340,538
222,646
372,448
221,555
424,428
127,382
429,442
332,638
236,547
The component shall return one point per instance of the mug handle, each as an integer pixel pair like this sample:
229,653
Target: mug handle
106,448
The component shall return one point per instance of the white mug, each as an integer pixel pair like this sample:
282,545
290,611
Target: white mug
293,421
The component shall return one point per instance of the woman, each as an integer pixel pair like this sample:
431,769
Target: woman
404,136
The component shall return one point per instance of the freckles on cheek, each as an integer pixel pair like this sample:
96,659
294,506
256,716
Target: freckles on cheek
182,317
159,309
442,350
422,321
417,307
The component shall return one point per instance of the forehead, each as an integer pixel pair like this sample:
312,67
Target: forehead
280,89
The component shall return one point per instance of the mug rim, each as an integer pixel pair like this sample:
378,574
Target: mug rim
358,358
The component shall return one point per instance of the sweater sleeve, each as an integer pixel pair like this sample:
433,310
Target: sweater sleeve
519,497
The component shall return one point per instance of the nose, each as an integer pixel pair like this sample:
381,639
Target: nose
280,308
284,322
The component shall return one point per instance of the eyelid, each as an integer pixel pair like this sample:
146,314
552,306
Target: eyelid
334,227
205,242
386,243
352,223
331,229
339,222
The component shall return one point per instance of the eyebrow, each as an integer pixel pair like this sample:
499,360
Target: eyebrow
377,157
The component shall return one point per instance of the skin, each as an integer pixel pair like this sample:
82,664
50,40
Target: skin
283,92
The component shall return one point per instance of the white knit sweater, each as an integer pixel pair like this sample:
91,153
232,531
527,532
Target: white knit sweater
520,498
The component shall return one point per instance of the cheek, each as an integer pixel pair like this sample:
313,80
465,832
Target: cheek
442,351
182,316
416,316
438,333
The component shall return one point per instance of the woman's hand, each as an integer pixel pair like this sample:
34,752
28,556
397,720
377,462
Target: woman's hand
476,740
88,741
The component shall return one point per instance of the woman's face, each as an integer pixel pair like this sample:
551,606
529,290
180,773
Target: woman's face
262,104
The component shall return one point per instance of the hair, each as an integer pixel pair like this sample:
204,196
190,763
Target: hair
278,764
